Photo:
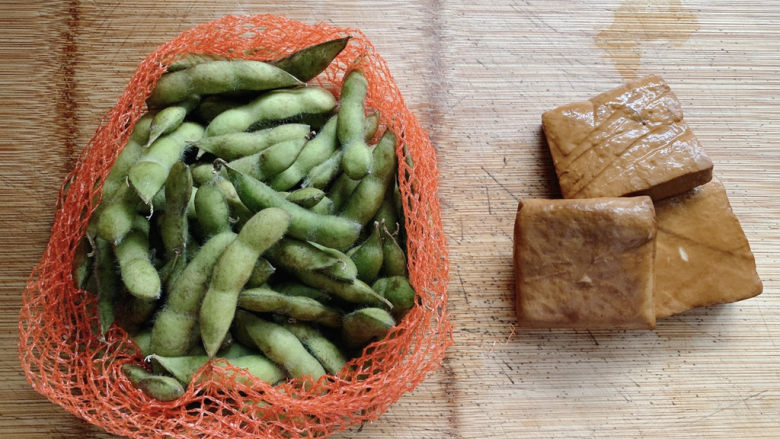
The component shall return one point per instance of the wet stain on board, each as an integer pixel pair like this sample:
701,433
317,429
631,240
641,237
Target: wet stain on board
642,21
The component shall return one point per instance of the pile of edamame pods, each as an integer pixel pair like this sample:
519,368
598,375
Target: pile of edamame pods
248,218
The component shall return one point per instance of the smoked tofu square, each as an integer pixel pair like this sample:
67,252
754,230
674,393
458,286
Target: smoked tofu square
629,141
585,263
702,255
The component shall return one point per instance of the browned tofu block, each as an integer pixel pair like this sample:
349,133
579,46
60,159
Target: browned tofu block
585,263
702,255
628,141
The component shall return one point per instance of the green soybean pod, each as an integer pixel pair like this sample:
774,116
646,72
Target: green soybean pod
151,170
368,256
129,155
260,273
313,153
310,61
355,292
233,146
169,118
202,173
293,253
345,270
278,344
116,216
328,230
324,207
143,339
327,353
138,274
276,105
163,388
299,289
357,160
211,106
107,283
341,189
172,334
193,59
212,210
270,161
184,368
365,325
299,308
321,175
82,263
233,270
367,197
218,77
386,215
306,197
173,223
398,291
239,214
393,256
370,125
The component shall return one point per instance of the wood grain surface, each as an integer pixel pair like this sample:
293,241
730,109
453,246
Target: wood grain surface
478,74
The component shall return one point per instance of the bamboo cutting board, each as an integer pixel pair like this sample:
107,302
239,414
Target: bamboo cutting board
478,75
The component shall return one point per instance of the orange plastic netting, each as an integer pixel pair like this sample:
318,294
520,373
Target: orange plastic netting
60,348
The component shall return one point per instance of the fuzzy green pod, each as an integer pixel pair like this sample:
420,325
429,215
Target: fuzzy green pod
151,170
138,274
310,61
357,161
278,344
233,270
367,197
322,174
393,256
107,283
299,308
398,291
218,77
159,387
276,105
355,292
270,161
327,353
328,230
183,368
233,146
129,155
316,151
212,210
262,271
306,197
368,256
172,334
365,325
299,289
341,190
170,118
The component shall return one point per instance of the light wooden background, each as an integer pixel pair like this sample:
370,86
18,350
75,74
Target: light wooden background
478,74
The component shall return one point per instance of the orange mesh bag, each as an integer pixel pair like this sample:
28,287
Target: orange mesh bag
60,347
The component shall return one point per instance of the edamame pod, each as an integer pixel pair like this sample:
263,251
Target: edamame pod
368,256
356,291
219,77
270,161
107,283
320,347
309,62
313,153
278,344
233,146
138,274
365,200
276,105
322,174
116,217
366,325
129,155
328,230
183,368
233,270
261,273
142,339
398,291
393,257
324,207
345,271
159,387
298,289
148,174
386,216
341,189
169,118
212,210
306,197
211,106
370,125
173,329
300,308
357,160
82,263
